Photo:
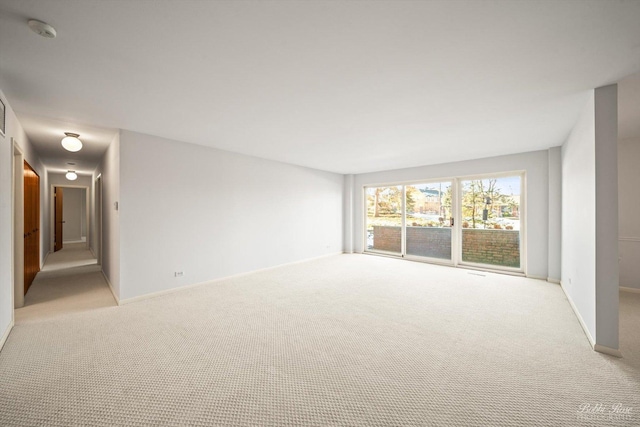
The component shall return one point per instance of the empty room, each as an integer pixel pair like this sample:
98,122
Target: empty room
372,213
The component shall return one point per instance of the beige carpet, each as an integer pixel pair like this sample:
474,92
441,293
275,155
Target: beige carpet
345,340
70,282
71,255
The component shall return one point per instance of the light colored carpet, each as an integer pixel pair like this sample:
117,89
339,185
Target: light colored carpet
71,255
70,282
344,340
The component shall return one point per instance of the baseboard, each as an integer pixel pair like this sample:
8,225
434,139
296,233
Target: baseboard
632,290
577,313
6,334
73,241
553,280
113,292
209,282
44,261
536,277
607,350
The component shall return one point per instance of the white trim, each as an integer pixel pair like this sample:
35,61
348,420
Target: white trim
553,280
607,350
403,223
384,253
629,239
113,292
632,290
209,282
481,267
45,259
596,347
430,260
535,277
17,228
577,313
6,334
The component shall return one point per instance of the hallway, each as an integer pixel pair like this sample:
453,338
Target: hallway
70,282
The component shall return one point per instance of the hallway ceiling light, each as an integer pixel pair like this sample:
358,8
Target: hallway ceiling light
71,142
71,175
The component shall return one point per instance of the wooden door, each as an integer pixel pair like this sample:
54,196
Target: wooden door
31,225
58,195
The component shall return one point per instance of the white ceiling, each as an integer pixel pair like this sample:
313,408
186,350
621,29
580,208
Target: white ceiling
345,86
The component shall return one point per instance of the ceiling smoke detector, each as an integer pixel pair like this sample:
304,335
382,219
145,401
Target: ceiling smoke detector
42,28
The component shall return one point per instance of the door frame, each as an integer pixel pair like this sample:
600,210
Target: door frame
17,229
52,204
456,232
97,202
523,224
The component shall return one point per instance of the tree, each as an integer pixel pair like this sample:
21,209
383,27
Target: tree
476,194
384,201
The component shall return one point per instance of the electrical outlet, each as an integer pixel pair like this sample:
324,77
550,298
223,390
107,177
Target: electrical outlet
179,273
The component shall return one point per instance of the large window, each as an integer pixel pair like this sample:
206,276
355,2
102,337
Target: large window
472,221
384,219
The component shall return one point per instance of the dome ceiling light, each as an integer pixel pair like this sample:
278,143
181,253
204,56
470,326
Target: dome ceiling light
71,175
71,142
42,28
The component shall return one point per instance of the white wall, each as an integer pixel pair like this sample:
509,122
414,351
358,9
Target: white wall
348,213
13,130
212,213
6,241
73,214
629,212
109,168
555,214
607,266
579,217
535,164
589,217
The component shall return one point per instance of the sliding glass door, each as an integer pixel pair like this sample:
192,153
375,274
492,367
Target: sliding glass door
384,219
465,221
491,225
428,228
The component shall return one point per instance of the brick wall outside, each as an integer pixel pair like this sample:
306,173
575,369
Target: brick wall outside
494,247
431,242
386,238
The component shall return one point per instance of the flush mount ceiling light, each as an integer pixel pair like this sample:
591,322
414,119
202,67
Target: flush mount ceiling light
71,175
71,142
42,28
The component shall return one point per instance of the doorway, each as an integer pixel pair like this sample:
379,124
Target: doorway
475,222
70,216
